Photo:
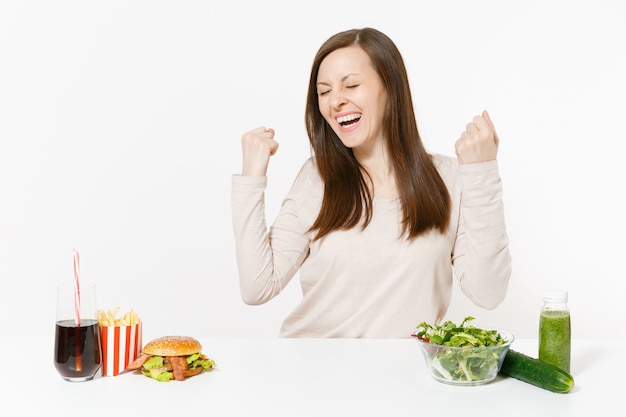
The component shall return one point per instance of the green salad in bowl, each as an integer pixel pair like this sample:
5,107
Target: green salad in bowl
462,354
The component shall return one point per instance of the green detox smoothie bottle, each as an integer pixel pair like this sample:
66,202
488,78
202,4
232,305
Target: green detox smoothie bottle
555,330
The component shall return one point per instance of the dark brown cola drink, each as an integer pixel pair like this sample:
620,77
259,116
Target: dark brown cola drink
77,349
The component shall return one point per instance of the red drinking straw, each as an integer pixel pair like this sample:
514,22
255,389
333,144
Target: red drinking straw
77,286
78,353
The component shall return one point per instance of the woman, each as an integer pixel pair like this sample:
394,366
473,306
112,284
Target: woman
376,227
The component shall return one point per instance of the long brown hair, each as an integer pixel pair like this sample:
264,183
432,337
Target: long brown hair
347,197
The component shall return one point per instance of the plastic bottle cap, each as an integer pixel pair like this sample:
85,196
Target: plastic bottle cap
555,296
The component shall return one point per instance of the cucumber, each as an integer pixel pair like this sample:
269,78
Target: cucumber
535,372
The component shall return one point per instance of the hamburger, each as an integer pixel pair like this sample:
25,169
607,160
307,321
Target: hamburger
172,357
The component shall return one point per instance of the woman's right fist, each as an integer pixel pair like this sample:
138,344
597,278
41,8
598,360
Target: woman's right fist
257,146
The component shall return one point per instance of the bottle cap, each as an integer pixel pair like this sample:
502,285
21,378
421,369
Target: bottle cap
555,296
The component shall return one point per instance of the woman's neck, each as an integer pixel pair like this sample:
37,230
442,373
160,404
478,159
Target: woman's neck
380,172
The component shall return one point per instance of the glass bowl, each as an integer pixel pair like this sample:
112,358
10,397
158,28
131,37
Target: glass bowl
465,365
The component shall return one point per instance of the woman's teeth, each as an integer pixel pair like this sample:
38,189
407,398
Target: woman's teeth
349,118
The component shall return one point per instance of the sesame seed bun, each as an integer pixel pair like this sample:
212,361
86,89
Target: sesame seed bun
173,346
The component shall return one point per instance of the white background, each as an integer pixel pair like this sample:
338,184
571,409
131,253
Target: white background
120,127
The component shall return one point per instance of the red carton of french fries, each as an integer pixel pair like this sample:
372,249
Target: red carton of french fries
120,339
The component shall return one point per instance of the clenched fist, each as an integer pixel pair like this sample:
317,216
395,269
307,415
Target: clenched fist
479,142
258,146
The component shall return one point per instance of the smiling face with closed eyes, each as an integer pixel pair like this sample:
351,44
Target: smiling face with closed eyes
352,98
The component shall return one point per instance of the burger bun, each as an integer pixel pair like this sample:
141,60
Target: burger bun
172,346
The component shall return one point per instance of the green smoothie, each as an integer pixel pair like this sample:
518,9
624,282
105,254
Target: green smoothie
555,338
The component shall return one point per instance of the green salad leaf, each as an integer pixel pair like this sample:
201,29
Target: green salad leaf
471,364
465,334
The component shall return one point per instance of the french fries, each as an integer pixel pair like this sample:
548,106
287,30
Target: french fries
109,318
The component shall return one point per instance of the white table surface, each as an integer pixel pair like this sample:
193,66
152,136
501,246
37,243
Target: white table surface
309,377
